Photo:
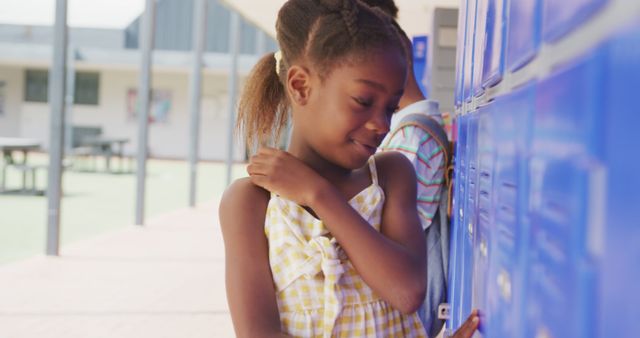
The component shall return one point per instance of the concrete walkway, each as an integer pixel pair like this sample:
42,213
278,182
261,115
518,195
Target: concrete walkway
162,280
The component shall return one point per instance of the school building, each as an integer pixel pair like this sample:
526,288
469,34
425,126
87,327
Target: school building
106,63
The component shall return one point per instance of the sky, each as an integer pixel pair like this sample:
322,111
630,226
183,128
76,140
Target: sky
80,13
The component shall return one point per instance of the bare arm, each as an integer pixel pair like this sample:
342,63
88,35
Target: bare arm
392,264
430,168
249,283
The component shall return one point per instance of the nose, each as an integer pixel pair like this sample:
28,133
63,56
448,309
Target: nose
380,123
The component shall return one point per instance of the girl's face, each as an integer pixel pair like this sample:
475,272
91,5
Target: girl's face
348,114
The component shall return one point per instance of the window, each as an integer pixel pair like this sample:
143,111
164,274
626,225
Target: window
36,85
87,87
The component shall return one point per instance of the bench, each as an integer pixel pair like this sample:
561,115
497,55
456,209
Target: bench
29,175
80,149
88,142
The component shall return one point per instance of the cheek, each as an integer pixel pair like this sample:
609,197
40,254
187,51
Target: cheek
333,114
332,127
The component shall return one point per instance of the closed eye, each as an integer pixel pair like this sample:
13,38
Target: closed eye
363,102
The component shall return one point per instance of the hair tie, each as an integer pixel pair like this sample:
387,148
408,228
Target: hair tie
278,56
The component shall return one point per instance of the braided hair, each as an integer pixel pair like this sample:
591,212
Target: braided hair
322,34
387,6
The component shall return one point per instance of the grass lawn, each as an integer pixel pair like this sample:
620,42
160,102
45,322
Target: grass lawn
98,202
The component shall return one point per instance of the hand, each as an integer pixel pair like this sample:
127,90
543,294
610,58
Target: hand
469,327
282,173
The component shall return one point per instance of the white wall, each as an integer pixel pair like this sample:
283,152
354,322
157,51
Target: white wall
166,140
416,17
13,91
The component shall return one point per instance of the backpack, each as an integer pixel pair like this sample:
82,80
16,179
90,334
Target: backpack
438,233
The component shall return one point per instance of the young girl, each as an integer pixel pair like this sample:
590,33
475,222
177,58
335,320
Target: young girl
324,240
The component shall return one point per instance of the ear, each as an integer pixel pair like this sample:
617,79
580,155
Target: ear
298,84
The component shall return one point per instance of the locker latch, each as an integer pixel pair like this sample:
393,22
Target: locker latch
444,311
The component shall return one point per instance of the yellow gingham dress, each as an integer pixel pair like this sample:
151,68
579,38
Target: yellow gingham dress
318,290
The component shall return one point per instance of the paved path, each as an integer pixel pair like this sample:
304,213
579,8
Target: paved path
162,280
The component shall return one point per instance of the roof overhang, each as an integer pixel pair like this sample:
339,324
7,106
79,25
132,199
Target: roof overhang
35,55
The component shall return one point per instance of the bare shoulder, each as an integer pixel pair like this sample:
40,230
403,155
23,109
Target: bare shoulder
243,190
243,204
394,169
249,282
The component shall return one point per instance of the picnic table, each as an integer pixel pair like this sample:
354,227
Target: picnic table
108,147
9,145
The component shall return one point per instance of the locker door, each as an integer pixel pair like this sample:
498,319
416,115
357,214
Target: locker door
460,52
562,16
470,216
457,234
505,300
467,87
566,154
523,32
479,43
493,60
619,310
485,220
568,115
558,225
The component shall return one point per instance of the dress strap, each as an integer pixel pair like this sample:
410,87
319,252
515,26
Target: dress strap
372,169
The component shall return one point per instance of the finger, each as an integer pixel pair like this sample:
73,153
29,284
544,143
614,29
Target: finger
265,156
469,326
257,158
257,169
266,151
270,162
274,153
261,162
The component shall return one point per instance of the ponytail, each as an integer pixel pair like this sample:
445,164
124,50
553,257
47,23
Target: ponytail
263,107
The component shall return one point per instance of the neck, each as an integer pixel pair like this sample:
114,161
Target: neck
412,94
315,161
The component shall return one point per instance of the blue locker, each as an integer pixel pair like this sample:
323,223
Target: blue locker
455,247
566,148
467,88
568,119
524,32
558,223
485,219
493,60
619,310
562,16
460,52
511,119
561,292
479,45
470,217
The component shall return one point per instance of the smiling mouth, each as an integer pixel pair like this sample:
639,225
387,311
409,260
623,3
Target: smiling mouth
366,147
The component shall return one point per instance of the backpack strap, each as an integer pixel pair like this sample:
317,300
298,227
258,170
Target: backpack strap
438,233
433,128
